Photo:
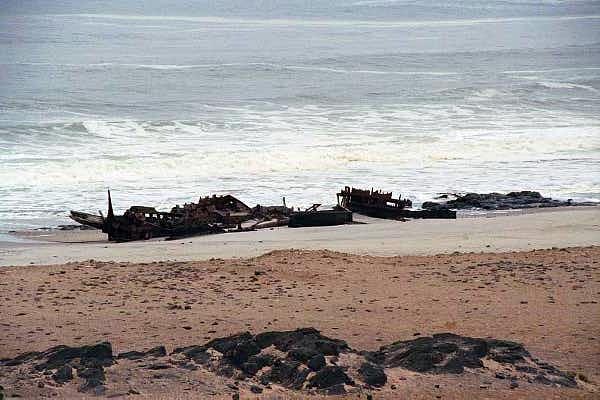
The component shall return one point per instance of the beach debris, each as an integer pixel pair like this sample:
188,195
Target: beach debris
496,201
215,214
379,204
286,358
314,217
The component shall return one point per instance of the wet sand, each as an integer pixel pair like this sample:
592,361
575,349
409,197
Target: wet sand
499,232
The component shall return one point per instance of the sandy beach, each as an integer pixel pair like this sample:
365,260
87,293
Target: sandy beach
514,230
468,131
491,283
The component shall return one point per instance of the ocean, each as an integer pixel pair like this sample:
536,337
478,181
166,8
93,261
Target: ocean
163,102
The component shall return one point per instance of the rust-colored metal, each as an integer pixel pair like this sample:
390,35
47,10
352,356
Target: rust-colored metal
213,214
380,204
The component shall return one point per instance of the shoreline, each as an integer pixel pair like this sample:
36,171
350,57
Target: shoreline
513,230
497,276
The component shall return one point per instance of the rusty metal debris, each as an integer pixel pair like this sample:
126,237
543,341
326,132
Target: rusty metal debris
314,217
219,214
379,204
209,215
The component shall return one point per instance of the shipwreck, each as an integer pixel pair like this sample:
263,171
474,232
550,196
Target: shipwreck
216,214
220,214
379,204
315,217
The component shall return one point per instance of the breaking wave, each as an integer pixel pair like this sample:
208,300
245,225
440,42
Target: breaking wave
168,67
565,85
327,22
295,141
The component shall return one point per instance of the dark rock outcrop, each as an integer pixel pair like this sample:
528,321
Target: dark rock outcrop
498,201
316,362
287,373
94,377
257,362
442,353
299,360
56,357
330,376
95,355
305,351
306,339
196,353
89,361
372,374
451,354
63,374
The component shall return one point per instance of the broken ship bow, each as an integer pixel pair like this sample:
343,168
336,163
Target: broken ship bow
210,215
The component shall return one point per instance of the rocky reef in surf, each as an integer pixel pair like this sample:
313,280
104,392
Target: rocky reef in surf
300,360
497,201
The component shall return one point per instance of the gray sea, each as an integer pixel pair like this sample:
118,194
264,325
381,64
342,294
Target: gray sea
164,101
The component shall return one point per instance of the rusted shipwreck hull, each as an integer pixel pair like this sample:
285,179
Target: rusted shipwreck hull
314,217
379,204
209,215
95,221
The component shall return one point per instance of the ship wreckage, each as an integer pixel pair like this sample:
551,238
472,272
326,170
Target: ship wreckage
216,214
221,214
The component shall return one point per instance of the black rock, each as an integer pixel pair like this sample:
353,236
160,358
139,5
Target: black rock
455,365
56,357
284,372
499,201
196,353
442,353
305,338
500,375
302,354
225,369
63,374
250,368
505,351
257,362
335,390
300,378
158,366
305,351
256,389
94,377
373,375
241,352
564,380
329,376
542,379
526,368
226,344
429,205
316,362
22,358
98,355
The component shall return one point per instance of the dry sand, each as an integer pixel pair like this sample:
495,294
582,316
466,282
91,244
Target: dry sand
546,299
